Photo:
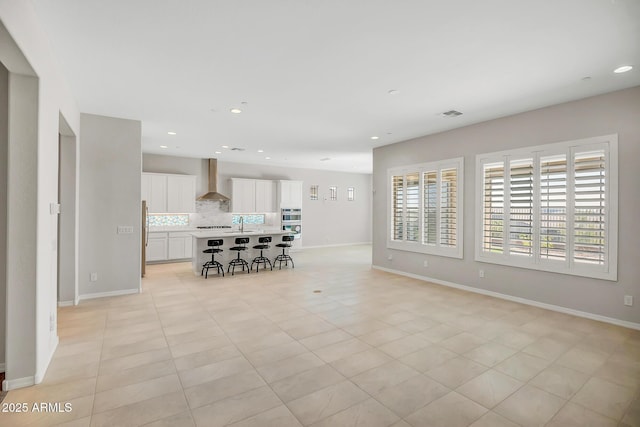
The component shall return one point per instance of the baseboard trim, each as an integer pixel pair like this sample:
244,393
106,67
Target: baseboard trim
65,303
336,245
560,309
109,294
17,383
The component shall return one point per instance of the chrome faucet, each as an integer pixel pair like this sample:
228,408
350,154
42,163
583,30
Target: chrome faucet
241,224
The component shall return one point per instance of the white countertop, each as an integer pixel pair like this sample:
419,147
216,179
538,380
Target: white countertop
221,233
169,228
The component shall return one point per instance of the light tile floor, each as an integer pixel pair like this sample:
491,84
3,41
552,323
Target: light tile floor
330,343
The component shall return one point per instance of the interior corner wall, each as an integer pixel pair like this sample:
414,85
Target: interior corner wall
110,180
324,222
4,144
612,113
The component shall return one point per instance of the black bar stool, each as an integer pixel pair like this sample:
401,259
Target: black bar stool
214,248
264,244
286,243
242,246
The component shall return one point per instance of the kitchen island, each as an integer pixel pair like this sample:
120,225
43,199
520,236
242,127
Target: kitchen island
228,237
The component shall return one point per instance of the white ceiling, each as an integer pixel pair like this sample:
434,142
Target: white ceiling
315,75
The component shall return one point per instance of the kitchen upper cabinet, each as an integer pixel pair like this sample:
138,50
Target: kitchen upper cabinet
265,195
243,195
253,195
181,193
168,193
290,194
154,191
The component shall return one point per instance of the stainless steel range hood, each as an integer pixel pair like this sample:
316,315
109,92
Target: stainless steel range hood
213,184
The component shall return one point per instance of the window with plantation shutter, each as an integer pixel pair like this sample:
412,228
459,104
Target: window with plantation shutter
521,207
551,207
493,207
426,204
430,180
397,207
589,222
448,207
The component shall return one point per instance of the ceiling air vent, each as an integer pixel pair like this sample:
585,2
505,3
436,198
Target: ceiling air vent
237,149
452,113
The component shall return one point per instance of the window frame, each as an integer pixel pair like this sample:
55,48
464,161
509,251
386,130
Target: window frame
419,246
607,270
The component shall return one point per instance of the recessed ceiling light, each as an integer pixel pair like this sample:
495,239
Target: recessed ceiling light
393,92
218,152
225,146
375,137
236,110
325,159
452,113
623,69
171,133
267,158
260,151
163,146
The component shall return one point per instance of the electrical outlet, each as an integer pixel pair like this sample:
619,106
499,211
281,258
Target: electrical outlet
390,257
94,277
52,324
628,300
481,273
426,263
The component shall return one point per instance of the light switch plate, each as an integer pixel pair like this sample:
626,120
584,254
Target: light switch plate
125,229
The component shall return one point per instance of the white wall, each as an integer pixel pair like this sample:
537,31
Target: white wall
324,222
4,142
67,237
110,179
24,51
616,112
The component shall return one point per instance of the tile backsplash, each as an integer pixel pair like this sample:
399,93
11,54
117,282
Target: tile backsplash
168,220
211,212
248,219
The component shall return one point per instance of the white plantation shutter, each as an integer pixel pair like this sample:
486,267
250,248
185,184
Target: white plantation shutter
521,207
589,223
553,207
397,207
448,207
430,197
426,205
493,207
412,207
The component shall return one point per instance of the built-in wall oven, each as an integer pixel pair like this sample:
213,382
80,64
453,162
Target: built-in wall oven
291,220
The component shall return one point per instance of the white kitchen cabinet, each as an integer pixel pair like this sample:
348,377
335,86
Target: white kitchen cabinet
154,191
157,247
169,193
290,194
243,195
253,195
265,195
180,245
181,193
